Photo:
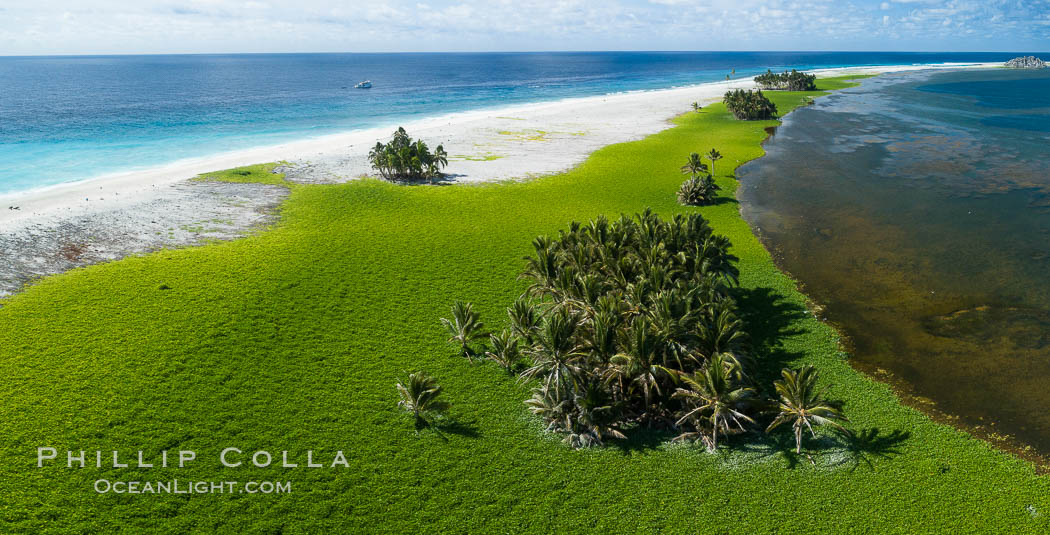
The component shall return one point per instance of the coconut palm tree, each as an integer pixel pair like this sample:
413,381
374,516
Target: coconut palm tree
721,331
440,156
697,107
593,417
694,166
803,405
640,364
464,327
600,336
542,268
697,191
554,406
435,162
713,401
505,350
431,172
714,156
712,258
524,319
420,396
556,356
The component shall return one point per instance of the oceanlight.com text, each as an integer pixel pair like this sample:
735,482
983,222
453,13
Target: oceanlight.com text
176,486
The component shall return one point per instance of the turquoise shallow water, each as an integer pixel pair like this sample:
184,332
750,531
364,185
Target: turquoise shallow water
72,118
916,208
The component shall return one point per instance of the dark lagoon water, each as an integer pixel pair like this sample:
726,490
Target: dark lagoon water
72,118
916,209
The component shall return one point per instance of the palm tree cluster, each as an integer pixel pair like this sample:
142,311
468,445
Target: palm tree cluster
749,105
790,81
631,323
618,313
407,159
700,189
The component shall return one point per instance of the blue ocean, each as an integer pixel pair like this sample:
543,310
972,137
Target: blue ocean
72,118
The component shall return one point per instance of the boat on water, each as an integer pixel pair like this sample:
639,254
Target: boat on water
367,84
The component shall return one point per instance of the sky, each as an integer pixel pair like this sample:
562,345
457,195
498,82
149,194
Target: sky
39,27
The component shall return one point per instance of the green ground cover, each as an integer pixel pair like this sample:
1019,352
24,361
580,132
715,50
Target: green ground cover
292,339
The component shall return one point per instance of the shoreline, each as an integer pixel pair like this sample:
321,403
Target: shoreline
484,145
60,227
906,391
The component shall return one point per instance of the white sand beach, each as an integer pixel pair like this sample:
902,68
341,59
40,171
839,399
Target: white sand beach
494,144
514,142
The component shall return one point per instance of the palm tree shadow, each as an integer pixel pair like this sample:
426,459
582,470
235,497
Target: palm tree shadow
864,447
768,318
449,426
460,428
724,200
765,446
869,445
768,315
445,179
639,440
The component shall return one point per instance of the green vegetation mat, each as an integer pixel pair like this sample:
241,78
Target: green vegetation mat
292,339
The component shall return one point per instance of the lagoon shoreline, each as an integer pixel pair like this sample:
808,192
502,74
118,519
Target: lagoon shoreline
52,229
900,301
485,145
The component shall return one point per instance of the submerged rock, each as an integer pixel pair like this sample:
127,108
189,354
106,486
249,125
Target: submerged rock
1028,62
1013,328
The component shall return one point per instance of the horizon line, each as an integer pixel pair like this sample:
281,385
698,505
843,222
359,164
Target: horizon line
581,51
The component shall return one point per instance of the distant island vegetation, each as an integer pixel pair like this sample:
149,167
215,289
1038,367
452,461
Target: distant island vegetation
787,81
407,159
701,188
750,105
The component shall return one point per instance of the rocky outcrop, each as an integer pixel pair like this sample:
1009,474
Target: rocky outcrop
1030,62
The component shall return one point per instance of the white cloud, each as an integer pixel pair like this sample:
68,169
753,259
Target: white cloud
116,26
